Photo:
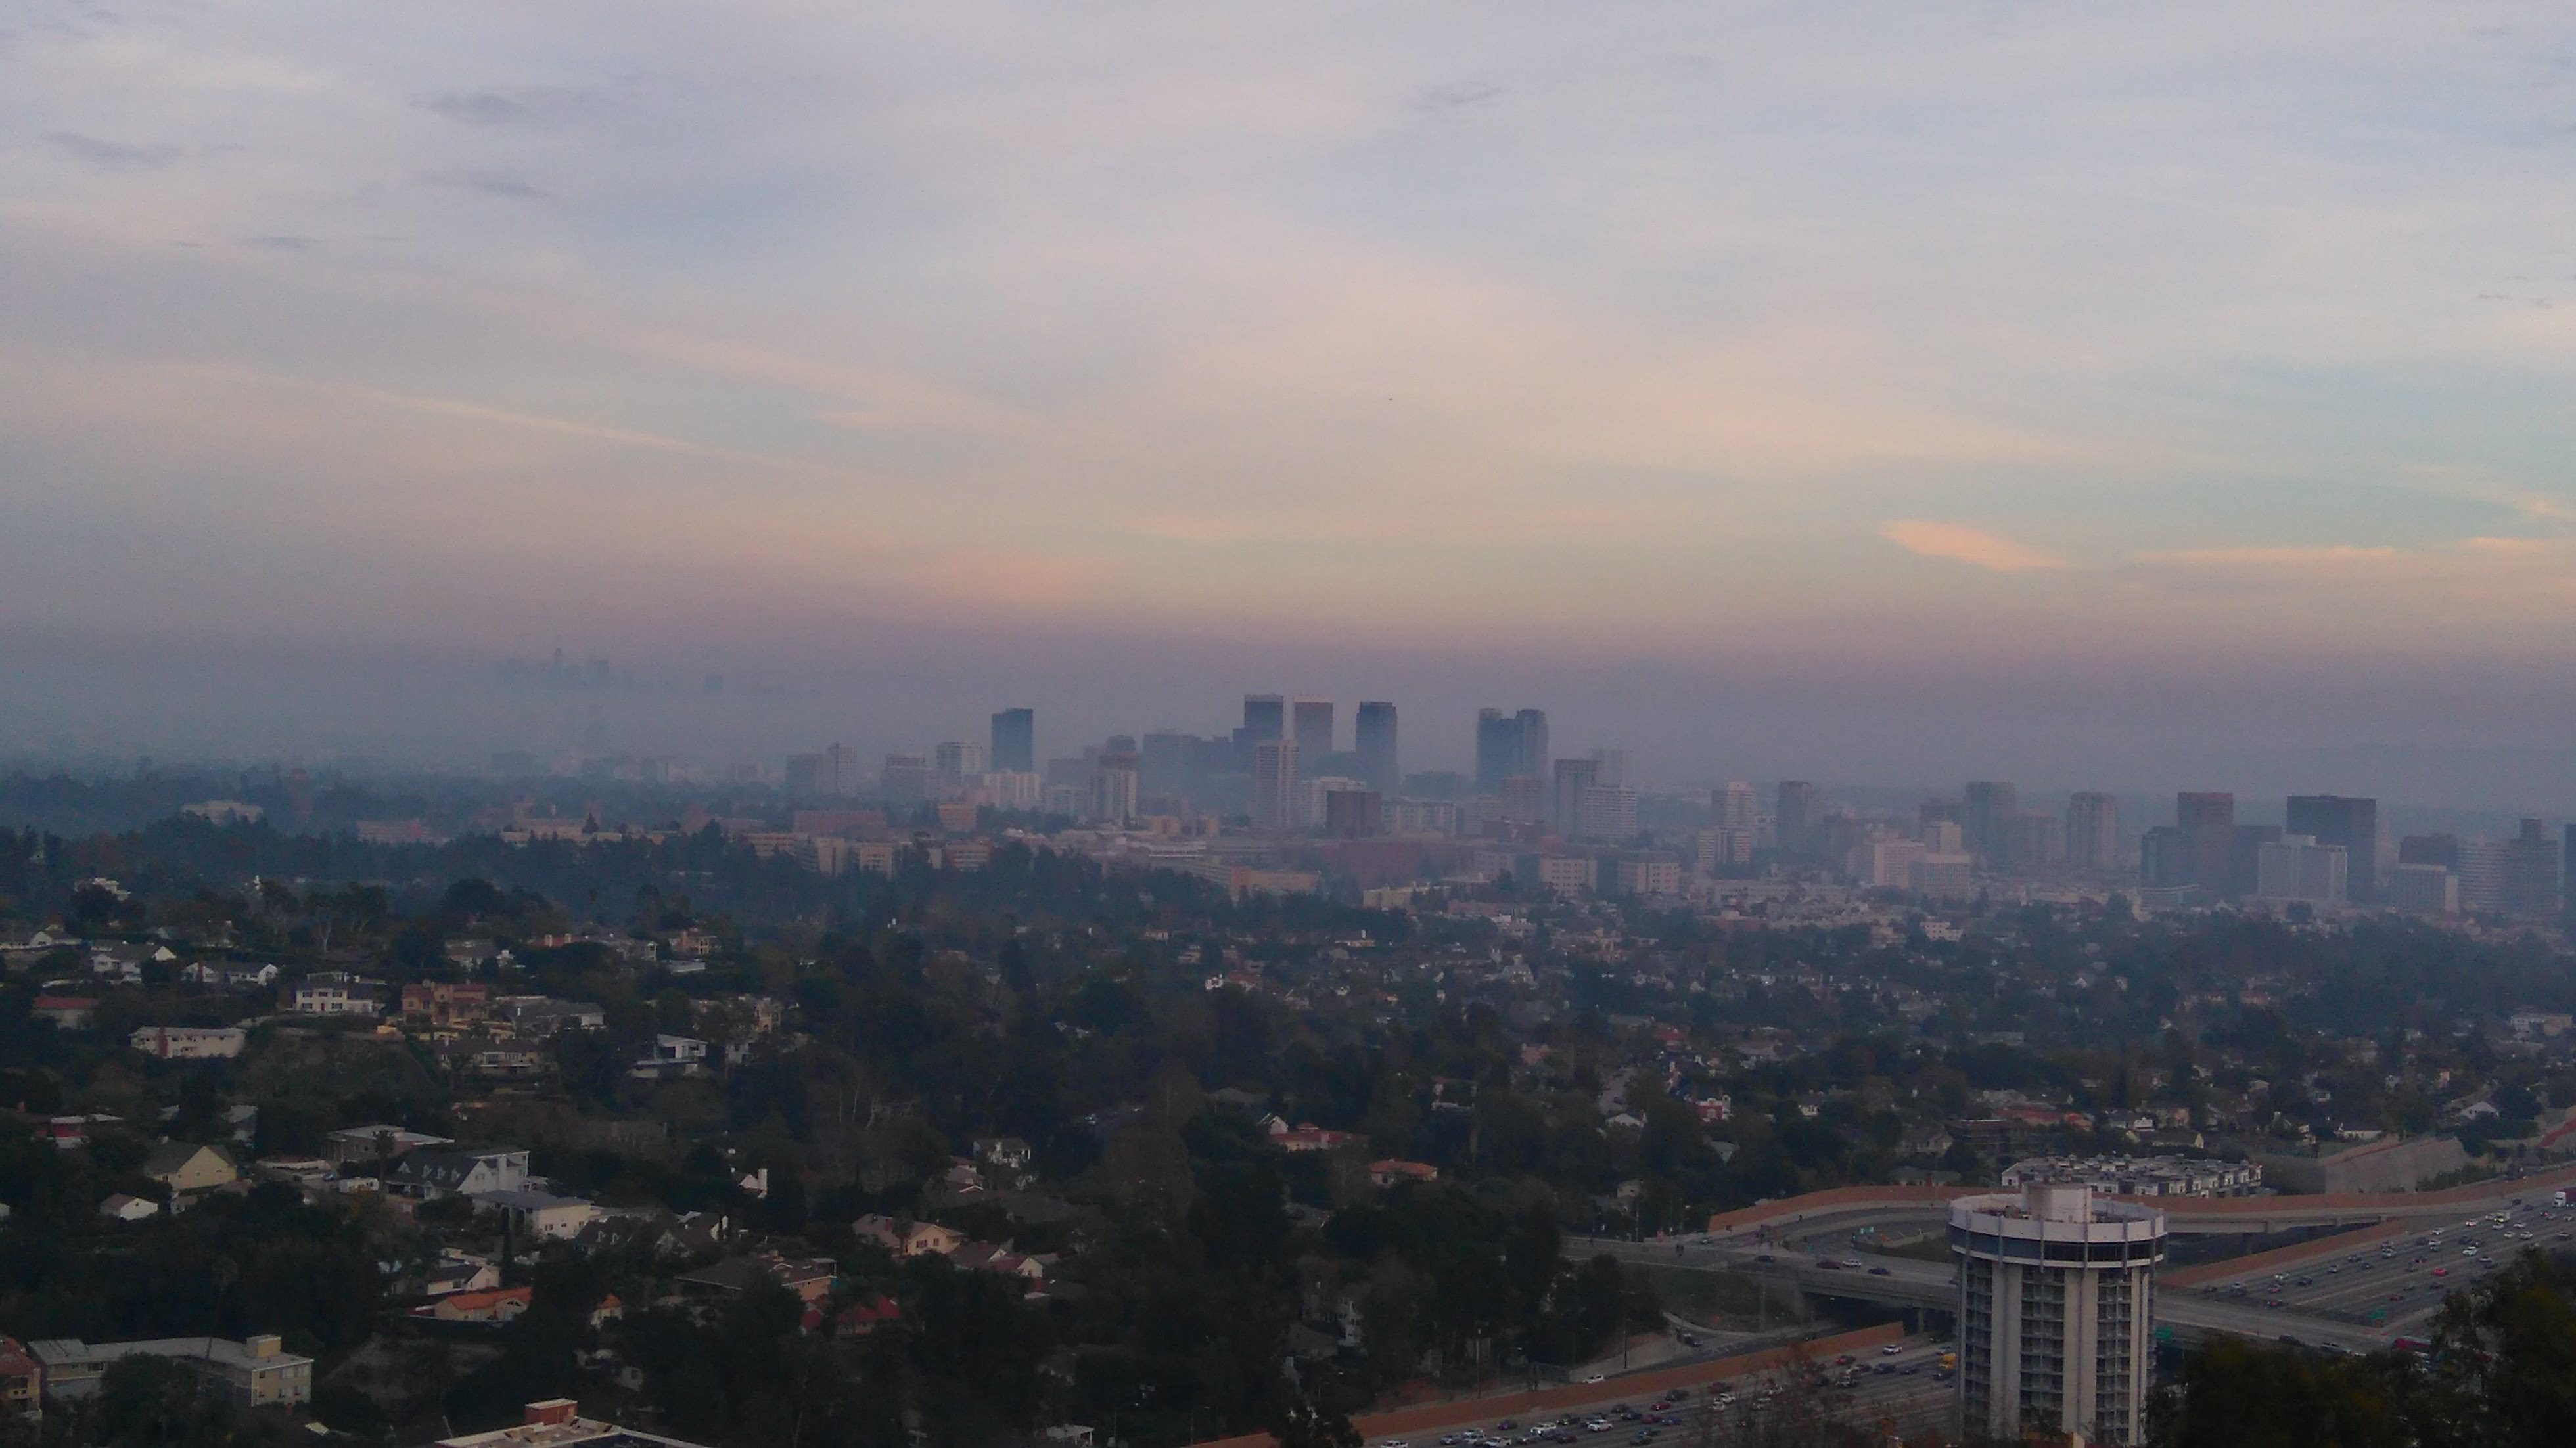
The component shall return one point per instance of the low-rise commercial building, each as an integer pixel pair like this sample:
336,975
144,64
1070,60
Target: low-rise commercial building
254,1373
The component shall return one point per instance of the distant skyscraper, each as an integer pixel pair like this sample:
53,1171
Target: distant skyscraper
2531,873
1612,767
1507,745
1265,716
2442,850
1573,777
2484,868
1793,818
1985,818
1114,787
1015,741
1533,756
2092,833
1373,737
2334,819
1310,723
2207,819
1735,806
1524,797
2165,859
1274,784
2245,857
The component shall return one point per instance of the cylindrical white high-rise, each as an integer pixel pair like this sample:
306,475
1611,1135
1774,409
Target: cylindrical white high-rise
2056,1301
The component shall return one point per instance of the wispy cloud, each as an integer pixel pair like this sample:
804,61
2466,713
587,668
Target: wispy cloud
521,106
1973,546
491,183
118,155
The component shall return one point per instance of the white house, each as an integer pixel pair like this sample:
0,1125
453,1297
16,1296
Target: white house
190,1043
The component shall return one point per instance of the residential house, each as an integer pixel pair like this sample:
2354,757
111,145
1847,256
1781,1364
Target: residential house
535,1215
65,1012
365,1145
486,1307
22,1380
431,1175
190,1043
253,1373
808,1278
460,1274
438,1003
336,993
124,1208
908,1239
543,1016
557,1423
672,1056
1389,1172
184,1167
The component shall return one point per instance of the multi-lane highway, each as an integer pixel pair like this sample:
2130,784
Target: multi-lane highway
2355,1290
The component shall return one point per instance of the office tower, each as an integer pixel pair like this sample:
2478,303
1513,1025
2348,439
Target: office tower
1015,741
2335,819
1793,817
1533,733
1610,766
2207,819
1945,876
1609,813
1524,798
1888,864
1353,813
2031,840
1720,847
1507,745
1498,748
2056,1310
2245,854
2165,858
1985,817
1735,806
1167,765
957,763
2531,873
1373,738
2481,867
2422,890
2442,850
2093,833
840,770
1573,777
2300,868
1943,837
1274,784
1265,716
1310,723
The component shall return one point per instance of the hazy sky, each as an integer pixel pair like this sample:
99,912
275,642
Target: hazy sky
2097,361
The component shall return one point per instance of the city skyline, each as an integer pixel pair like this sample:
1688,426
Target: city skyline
829,345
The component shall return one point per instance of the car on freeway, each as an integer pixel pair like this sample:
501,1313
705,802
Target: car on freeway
1891,1350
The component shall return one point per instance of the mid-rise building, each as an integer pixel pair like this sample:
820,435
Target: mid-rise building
2422,890
1945,876
958,763
1508,745
1609,813
257,1372
1354,813
1734,806
2295,868
2207,819
1650,873
2139,1176
2056,1305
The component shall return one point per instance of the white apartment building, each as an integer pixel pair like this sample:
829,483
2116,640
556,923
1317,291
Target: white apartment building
2056,1307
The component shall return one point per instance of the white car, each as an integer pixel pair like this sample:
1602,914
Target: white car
1595,1378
